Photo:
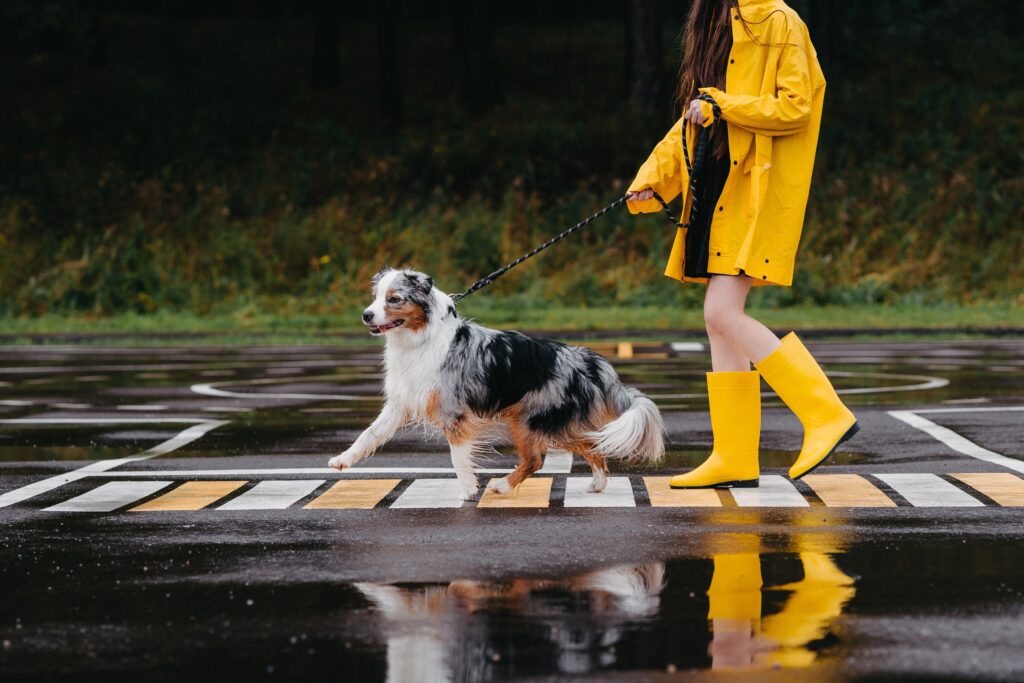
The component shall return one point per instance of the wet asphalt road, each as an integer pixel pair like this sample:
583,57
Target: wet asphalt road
926,582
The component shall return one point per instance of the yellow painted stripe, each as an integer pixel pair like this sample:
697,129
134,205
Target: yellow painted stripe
847,491
532,493
192,495
664,496
354,494
625,350
1002,487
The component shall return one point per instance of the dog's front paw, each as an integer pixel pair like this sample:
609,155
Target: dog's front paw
598,484
500,486
467,491
340,462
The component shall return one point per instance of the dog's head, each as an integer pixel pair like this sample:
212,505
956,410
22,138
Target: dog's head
402,299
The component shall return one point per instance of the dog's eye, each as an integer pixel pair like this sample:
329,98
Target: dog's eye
394,300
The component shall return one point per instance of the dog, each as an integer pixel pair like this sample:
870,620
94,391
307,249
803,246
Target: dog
471,382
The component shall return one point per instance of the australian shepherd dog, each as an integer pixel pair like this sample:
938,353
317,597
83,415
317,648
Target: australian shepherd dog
473,383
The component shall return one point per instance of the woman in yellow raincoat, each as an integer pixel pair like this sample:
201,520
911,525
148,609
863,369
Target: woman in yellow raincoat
760,88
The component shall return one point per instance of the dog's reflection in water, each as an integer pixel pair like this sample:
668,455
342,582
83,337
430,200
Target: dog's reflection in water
433,633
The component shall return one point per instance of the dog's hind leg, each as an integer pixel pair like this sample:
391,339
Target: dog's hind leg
531,458
598,465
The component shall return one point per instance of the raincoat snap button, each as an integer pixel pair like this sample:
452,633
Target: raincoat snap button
766,260
720,208
734,162
718,253
764,277
732,61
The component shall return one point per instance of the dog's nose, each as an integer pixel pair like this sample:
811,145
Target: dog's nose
367,315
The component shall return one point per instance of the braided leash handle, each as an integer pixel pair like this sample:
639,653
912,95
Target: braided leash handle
700,153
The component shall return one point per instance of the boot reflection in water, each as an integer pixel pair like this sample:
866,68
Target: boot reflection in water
742,639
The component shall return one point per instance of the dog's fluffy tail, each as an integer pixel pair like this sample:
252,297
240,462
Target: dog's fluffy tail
637,434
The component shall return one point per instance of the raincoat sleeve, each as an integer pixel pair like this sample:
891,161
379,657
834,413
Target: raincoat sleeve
662,172
789,109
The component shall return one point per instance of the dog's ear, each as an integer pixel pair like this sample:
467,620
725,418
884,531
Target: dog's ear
422,283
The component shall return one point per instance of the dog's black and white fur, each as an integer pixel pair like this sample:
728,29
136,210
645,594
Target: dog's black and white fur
464,379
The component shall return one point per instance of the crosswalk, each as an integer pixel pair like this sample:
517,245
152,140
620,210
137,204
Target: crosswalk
882,490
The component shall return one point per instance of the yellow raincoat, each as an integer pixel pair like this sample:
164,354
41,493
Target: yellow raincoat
774,89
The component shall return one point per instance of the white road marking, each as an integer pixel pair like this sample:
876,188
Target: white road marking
955,441
15,402
687,346
183,438
273,495
430,493
70,406
110,496
775,491
142,407
925,382
212,389
319,471
556,462
226,409
928,490
618,493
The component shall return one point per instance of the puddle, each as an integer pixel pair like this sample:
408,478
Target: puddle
804,602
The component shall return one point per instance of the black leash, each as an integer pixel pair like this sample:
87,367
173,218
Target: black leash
699,153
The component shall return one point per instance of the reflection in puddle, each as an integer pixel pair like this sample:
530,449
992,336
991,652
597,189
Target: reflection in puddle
622,617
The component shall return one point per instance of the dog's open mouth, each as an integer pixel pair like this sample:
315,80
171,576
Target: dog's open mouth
381,329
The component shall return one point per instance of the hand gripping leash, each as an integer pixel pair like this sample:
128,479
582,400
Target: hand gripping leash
700,156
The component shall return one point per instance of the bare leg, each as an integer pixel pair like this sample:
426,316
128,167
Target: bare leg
736,338
377,434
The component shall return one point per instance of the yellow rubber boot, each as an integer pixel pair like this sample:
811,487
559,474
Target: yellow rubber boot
735,400
801,383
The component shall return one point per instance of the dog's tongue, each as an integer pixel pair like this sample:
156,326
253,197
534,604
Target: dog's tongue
377,329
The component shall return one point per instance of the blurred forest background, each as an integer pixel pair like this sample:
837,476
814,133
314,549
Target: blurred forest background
231,156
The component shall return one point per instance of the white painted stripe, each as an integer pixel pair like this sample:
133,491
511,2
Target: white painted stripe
557,461
986,409
431,493
687,346
352,473
15,402
953,440
177,441
70,406
226,409
929,491
103,420
775,491
273,495
212,390
618,493
142,407
110,496
925,382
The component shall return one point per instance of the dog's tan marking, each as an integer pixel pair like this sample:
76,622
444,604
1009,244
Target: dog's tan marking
409,311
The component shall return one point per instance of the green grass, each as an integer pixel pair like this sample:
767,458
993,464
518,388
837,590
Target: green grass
247,326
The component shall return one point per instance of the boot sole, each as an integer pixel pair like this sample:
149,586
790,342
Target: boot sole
854,428
738,484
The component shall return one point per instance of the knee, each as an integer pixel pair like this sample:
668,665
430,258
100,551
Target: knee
718,319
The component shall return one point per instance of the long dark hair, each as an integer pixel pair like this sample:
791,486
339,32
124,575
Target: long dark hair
707,41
